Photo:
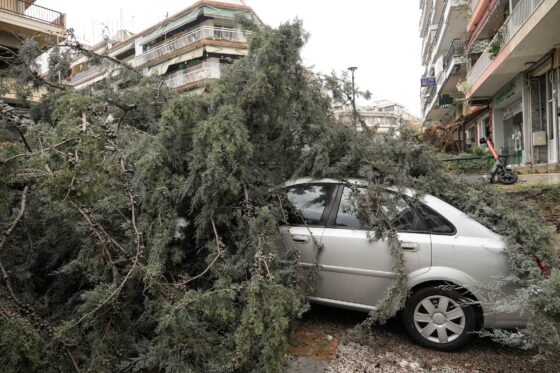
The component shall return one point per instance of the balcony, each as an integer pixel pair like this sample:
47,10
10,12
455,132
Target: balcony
456,52
86,75
453,69
205,32
452,24
25,18
204,71
426,8
527,34
34,12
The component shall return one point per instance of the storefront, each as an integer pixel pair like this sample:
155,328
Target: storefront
509,132
476,125
544,82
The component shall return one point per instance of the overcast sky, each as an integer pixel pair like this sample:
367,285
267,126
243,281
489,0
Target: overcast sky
379,37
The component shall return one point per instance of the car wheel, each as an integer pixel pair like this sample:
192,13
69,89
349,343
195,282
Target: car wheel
439,319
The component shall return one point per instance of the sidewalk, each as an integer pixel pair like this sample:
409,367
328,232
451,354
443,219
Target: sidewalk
530,179
533,179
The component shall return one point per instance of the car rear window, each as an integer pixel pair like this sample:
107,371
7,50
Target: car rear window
437,224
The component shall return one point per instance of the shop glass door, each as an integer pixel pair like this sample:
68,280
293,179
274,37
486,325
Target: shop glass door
552,115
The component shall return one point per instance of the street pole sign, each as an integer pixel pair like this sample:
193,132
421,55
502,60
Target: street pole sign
427,81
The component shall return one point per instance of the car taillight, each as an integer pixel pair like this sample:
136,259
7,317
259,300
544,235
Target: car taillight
542,267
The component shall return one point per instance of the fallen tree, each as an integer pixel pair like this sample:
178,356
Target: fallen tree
139,233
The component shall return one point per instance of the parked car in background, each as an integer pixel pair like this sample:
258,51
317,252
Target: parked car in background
448,256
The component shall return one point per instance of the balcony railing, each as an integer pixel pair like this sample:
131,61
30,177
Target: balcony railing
518,17
428,99
457,49
185,77
87,74
205,32
32,11
439,28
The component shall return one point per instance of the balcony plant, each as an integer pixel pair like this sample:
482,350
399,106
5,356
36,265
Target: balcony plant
464,86
496,44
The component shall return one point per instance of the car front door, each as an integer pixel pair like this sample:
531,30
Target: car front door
357,270
307,217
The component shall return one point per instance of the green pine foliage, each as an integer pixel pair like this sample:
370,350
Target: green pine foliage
140,228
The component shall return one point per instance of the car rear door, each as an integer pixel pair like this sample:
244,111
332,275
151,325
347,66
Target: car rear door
355,269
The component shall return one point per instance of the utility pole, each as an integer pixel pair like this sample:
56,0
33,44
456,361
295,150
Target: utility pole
354,112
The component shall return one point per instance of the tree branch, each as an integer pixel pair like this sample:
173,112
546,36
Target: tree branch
218,245
17,219
25,155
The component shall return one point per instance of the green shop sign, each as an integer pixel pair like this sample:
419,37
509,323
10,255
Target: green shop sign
445,101
505,93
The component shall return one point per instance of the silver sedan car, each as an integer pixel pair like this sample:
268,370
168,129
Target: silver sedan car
448,256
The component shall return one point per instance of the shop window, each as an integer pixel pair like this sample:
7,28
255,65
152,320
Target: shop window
550,90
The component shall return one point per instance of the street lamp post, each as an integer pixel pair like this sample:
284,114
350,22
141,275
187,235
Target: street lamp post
353,69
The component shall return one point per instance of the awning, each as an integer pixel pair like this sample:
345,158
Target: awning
226,50
213,11
210,11
469,118
122,49
161,69
170,26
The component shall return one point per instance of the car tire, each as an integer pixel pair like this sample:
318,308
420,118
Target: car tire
439,319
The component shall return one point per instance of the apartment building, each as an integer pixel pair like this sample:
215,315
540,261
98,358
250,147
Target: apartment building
385,115
512,62
443,32
184,50
19,19
513,59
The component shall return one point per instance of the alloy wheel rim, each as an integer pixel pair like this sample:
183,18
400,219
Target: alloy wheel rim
439,319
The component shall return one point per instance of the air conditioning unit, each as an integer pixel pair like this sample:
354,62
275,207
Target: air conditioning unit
539,138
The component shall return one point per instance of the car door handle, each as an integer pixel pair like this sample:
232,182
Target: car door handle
300,238
409,246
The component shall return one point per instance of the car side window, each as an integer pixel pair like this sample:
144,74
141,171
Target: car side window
436,223
308,203
402,216
347,215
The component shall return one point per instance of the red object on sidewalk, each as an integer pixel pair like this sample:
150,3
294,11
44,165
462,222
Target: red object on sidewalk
489,143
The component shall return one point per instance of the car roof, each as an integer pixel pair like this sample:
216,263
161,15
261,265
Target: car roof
357,182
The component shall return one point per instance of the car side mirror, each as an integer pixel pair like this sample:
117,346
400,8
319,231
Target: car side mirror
482,140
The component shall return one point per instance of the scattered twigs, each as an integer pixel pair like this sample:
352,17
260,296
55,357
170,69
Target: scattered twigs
25,155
